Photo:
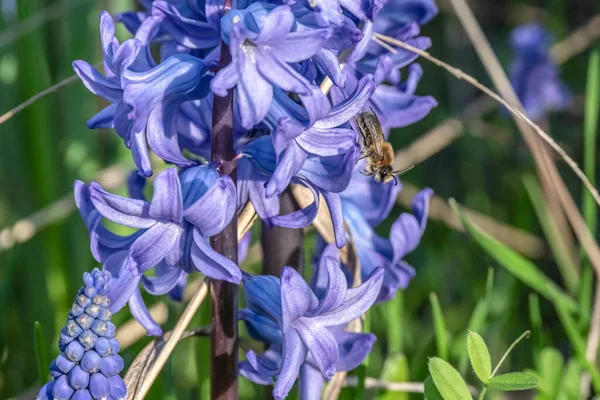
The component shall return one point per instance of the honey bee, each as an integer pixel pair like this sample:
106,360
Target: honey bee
378,152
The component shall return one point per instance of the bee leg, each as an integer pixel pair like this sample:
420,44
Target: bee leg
365,173
362,156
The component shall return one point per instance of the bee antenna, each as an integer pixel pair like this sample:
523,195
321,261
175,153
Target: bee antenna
402,170
395,180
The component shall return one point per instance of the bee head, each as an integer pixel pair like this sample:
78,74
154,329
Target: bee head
384,175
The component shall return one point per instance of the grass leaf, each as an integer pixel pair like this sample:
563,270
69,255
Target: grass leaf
523,269
447,380
439,325
41,354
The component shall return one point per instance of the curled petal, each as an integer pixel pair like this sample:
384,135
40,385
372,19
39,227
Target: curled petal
294,353
357,302
300,218
166,201
276,26
124,211
344,111
297,298
260,328
247,371
337,285
104,119
290,162
407,231
153,246
213,211
189,32
123,283
142,315
97,83
321,344
165,279
262,295
211,263
334,204
327,142
353,349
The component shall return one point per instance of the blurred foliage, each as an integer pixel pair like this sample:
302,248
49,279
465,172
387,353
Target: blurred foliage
48,145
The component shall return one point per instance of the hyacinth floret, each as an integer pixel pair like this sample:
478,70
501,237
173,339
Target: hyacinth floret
88,366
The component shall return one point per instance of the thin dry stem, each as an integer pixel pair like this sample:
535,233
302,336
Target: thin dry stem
25,228
591,351
52,89
177,332
382,39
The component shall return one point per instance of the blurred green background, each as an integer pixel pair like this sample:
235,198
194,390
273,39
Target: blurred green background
47,146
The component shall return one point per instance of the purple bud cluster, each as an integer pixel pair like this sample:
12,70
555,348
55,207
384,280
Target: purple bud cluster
88,366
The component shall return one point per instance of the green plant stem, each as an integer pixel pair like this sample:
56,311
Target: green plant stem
394,321
482,393
40,352
523,336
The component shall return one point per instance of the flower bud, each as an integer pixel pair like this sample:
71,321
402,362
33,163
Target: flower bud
88,339
99,386
112,365
74,351
78,378
61,389
118,390
82,394
103,347
64,364
91,362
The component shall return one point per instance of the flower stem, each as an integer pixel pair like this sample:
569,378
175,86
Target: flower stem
224,337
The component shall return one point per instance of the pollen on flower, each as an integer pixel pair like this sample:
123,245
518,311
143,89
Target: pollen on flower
248,47
236,19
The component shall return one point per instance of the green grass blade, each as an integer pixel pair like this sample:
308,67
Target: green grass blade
41,353
566,265
442,336
535,316
394,322
579,345
520,267
592,108
589,211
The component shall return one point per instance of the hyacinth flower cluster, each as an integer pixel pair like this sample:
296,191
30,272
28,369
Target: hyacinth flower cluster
533,73
299,73
88,366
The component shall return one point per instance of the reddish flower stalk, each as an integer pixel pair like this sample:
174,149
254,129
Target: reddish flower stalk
224,336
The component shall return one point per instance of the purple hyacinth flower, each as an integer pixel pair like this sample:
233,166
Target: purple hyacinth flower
263,52
88,366
154,97
365,205
173,233
117,58
308,324
323,175
188,25
534,75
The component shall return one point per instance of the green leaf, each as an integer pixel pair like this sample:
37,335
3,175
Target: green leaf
513,381
550,371
479,356
523,269
395,369
431,392
448,381
439,325
41,355
570,384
